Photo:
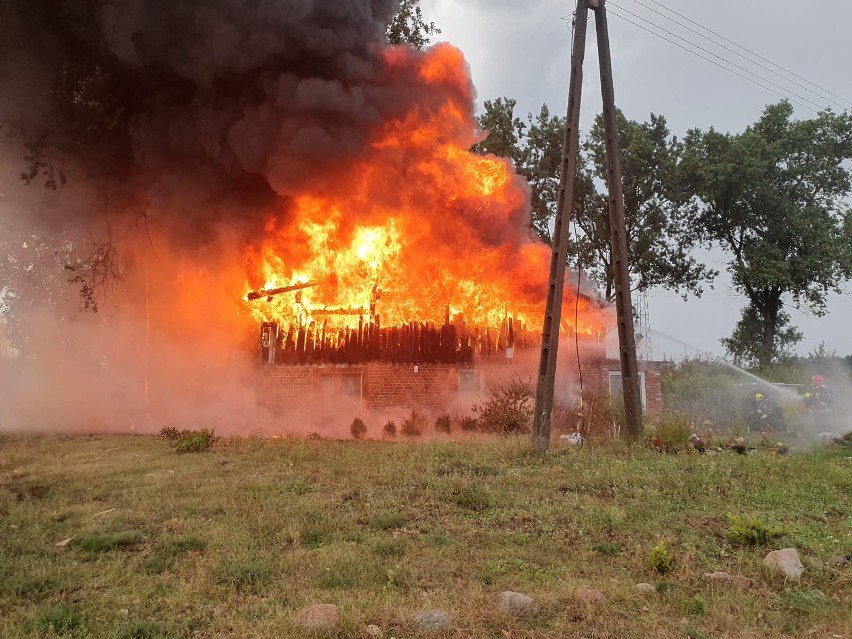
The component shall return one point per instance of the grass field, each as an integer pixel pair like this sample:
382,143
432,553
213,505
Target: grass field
232,541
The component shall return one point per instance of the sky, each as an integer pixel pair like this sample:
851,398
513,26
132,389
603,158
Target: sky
522,50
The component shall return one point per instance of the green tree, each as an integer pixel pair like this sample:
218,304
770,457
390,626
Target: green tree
408,27
773,197
503,130
656,203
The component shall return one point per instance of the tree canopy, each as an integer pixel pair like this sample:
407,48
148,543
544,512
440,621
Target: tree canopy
408,26
655,200
774,199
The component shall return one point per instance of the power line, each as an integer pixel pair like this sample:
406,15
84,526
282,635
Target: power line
815,108
746,49
713,53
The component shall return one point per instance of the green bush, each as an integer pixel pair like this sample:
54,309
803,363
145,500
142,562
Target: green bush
508,410
358,429
443,424
390,428
195,441
414,425
752,531
660,559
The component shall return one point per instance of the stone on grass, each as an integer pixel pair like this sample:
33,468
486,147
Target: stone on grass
838,561
431,620
318,617
785,561
373,630
646,589
590,596
516,604
724,579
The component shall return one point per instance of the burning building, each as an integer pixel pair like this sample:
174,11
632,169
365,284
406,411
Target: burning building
297,179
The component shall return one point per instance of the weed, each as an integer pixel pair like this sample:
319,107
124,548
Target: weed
385,548
660,559
143,630
443,424
672,433
805,602
195,441
388,521
165,556
358,429
106,543
695,605
414,425
59,619
349,573
752,531
472,497
244,576
608,548
389,428
508,410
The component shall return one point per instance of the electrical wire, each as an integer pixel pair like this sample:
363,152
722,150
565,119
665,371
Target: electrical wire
739,46
813,104
815,108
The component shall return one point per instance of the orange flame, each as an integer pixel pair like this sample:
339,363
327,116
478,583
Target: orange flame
416,227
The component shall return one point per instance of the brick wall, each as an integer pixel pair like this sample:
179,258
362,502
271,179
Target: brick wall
433,388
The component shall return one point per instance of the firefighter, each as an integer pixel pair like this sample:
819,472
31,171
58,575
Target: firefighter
766,415
821,398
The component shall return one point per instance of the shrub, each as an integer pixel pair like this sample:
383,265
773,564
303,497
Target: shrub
195,441
443,424
469,424
358,428
390,428
751,531
414,425
597,415
508,410
660,559
672,433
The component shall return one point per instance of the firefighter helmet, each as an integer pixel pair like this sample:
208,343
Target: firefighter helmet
758,396
817,380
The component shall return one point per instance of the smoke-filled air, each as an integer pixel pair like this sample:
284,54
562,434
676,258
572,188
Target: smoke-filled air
149,224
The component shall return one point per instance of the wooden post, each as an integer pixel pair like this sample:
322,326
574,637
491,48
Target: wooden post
623,303
553,312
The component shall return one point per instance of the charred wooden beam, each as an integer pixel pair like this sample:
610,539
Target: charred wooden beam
269,293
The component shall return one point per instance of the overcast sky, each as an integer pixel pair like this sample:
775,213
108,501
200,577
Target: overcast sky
522,50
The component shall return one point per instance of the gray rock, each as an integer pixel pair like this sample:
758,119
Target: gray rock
516,604
786,562
431,620
724,579
646,589
318,617
590,596
374,631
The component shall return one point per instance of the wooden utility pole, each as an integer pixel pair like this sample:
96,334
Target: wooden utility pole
565,201
624,306
620,267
